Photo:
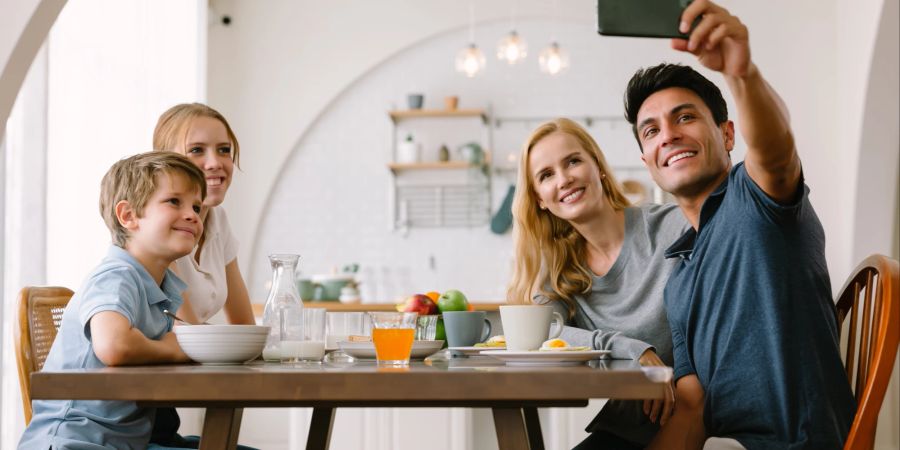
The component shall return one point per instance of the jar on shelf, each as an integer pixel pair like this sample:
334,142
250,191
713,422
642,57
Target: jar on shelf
409,150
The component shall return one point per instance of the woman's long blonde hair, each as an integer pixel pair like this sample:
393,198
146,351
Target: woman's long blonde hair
549,251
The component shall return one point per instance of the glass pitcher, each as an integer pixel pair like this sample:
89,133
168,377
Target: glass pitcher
282,296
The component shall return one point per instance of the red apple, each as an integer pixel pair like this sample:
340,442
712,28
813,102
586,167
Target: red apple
421,304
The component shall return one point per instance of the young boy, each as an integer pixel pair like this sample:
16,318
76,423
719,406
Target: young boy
150,203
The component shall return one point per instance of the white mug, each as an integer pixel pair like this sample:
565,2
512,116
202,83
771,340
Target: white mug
526,327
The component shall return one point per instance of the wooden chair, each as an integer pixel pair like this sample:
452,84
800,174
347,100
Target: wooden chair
871,297
40,313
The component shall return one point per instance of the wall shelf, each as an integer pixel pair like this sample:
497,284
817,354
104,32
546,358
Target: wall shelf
397,167
447,113
455,193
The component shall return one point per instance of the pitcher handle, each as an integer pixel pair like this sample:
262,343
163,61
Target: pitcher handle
486,333
558,321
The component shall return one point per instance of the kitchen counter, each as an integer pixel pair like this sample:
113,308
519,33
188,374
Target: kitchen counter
338,306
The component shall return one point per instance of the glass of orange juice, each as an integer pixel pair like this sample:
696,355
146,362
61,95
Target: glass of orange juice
393,334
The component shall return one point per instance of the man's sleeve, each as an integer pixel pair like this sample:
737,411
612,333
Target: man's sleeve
759,203
683,364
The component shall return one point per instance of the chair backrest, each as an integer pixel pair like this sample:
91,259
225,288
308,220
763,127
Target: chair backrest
871,298
40,313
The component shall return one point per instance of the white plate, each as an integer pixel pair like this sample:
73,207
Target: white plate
366,350
545,358
473,351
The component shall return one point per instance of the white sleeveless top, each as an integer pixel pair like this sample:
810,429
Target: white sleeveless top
207,286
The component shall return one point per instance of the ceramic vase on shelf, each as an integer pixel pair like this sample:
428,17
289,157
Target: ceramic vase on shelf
408,151
283,301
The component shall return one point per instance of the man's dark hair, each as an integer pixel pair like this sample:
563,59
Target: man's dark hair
646,82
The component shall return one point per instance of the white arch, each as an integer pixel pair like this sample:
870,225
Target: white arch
875,199
35,19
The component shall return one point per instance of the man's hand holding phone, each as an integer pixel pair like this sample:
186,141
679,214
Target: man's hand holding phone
719,40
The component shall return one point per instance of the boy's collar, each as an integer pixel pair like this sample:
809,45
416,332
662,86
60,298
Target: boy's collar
171,286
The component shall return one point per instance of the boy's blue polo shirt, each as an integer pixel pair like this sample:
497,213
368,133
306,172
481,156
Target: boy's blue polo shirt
121,284
751,314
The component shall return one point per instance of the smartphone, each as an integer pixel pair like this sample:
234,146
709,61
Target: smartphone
641,18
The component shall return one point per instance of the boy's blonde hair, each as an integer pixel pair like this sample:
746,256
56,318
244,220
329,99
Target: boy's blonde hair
134,179
172,128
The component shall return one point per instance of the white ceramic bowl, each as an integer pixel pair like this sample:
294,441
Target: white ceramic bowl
222,344
221,329
230,340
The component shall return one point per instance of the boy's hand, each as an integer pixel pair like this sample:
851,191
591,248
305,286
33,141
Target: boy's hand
720,41
178,354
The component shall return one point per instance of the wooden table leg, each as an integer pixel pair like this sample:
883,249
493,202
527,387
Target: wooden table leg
220,428
533,427
510,426
320,429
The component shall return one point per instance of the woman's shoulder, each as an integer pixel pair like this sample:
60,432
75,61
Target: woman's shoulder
664,214
664,222
217,219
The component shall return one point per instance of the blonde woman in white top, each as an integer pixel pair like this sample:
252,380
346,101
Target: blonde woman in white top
211,270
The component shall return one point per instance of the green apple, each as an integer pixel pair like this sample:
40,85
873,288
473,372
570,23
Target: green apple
453,300
439,333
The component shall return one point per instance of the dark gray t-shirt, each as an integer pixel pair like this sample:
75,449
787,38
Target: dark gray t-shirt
751,314
624,311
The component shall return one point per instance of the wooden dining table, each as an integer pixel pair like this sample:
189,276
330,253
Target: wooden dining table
512,392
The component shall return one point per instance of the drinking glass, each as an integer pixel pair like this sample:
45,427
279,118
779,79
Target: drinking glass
393,334
426,327
290,335
338,328
304,340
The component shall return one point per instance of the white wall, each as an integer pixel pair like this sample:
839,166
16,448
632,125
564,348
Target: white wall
114,68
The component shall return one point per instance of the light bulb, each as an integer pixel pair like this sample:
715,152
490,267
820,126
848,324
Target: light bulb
553,60
512,48
470,61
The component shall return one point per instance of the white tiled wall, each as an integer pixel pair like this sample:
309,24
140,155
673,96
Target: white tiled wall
331,201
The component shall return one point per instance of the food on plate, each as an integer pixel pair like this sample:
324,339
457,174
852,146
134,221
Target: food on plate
353,338
453,300
418,303
559,345
493,341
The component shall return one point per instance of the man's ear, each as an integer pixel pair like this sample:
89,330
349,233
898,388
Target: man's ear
728,133
126,215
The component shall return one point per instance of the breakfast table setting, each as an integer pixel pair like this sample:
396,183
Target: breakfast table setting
430,352
512,374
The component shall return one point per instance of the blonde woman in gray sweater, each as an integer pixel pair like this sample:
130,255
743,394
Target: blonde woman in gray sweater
582,248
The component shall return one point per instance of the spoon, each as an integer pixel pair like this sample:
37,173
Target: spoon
169,313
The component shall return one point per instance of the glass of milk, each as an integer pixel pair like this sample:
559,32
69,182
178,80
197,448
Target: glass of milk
303,339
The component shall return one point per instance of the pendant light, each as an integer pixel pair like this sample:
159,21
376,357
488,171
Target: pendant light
553,60
512,48
470,60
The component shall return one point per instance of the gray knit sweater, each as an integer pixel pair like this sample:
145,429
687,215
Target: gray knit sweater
624,311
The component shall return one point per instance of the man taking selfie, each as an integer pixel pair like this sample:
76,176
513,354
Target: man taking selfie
757,363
